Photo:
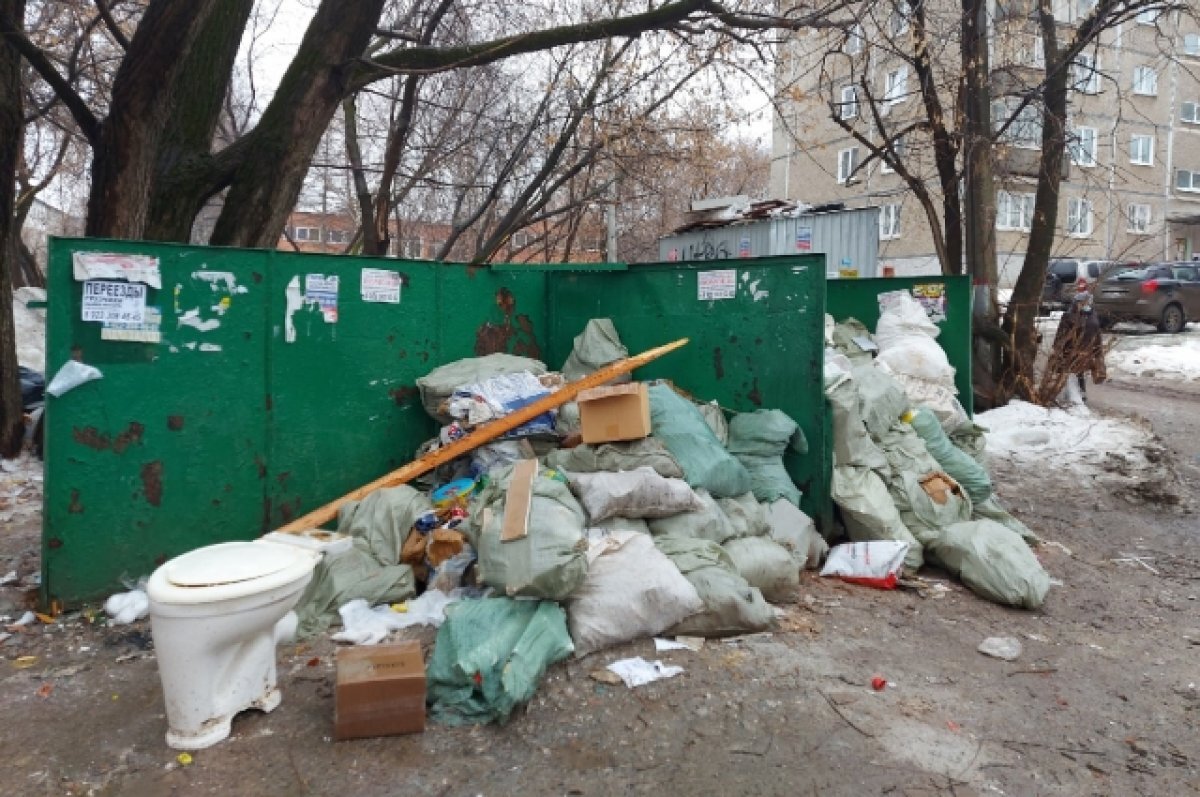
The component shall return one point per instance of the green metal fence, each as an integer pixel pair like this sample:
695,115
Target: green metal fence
254,407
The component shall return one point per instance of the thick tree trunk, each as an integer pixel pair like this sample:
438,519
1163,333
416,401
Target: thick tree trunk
1019,322
126,157
184,178
275,162
979,201
11,138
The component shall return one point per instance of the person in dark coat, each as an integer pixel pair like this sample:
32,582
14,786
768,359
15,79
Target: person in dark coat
1078,343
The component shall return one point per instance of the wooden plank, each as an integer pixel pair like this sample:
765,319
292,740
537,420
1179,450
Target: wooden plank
517,501
481,436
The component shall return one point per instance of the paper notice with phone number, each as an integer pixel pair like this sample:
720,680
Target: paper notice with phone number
716,284
379,285
111,302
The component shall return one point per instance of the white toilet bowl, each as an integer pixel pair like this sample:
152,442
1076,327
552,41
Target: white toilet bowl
213,615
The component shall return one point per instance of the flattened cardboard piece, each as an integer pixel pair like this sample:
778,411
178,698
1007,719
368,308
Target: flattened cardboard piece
518,500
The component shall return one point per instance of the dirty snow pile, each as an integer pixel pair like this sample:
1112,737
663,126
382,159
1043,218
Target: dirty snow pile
1176,359
1074,442
20,489
31,328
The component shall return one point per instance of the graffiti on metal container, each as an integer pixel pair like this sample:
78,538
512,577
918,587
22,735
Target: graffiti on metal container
706,249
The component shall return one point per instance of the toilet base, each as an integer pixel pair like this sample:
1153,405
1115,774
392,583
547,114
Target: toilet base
217,729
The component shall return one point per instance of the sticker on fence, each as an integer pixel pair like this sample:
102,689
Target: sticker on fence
323,290
105,266
932,296
804,239
717,284
149,330
111,302
379,285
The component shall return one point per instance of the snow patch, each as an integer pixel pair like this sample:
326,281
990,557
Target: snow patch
1176,358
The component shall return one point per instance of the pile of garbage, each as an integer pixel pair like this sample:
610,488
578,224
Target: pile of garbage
909,463
538,545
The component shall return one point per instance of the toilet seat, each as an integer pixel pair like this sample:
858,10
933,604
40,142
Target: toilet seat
228,570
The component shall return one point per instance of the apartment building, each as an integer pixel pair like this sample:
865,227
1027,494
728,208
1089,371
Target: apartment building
1131,187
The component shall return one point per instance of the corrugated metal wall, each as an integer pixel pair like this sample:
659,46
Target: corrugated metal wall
849,239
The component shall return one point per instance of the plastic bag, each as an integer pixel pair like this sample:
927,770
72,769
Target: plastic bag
731,605
938,397
905,336
747,516
767,565
498,396
869,511
705,462
647,452
639,493
901,316
632,590
708,523
440,383
597,346
852,446
550,561
881,399
124,608
872,564
797,533
759,440
959,464
490,655
993,561
363,625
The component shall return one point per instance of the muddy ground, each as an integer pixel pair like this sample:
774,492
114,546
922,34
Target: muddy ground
1104,700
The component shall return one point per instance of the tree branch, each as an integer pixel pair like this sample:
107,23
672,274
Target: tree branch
110,23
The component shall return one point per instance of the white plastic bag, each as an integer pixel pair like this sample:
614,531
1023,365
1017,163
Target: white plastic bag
632,590
873,564
639,493
126,607
362,625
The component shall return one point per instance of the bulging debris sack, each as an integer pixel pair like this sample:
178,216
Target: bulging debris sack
597,346
683,430
959,464
648,452
490,655
993,561
797,533
869,511
905,337
872,564
759,440
991,510
852,445
440,383
639,493
550,560
905,451
927,504
731,605
613,525
707,523
881,399
378,526
746,515
714,416
767,565
939,397
632,590
851,338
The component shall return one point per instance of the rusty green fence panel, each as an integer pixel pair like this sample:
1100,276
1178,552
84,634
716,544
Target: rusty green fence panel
860,299
761,348
256,406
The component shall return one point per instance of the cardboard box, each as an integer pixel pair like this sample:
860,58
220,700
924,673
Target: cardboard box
380,690
615,412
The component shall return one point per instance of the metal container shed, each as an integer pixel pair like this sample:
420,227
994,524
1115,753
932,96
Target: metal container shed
849,239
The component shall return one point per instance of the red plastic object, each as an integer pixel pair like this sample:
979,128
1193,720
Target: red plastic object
878,683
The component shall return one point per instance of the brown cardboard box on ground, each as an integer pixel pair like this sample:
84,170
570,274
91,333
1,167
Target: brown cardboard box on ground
380,690
615,412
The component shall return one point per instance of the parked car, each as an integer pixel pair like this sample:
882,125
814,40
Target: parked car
1163,294
1064,275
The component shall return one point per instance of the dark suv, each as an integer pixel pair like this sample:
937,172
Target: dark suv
1163,294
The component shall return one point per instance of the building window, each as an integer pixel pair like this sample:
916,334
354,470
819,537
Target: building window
1032,51
307,234
520,239
848,107
898,24
847,160
899,149
896,86
1085,74
1079,218
1191,44
1149,16
1141,150
1145,81
410,248
1139,219
1071,11
854,40
1014,211
1186,180
889,222
1190,112
337,236
1025,131
1083,146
